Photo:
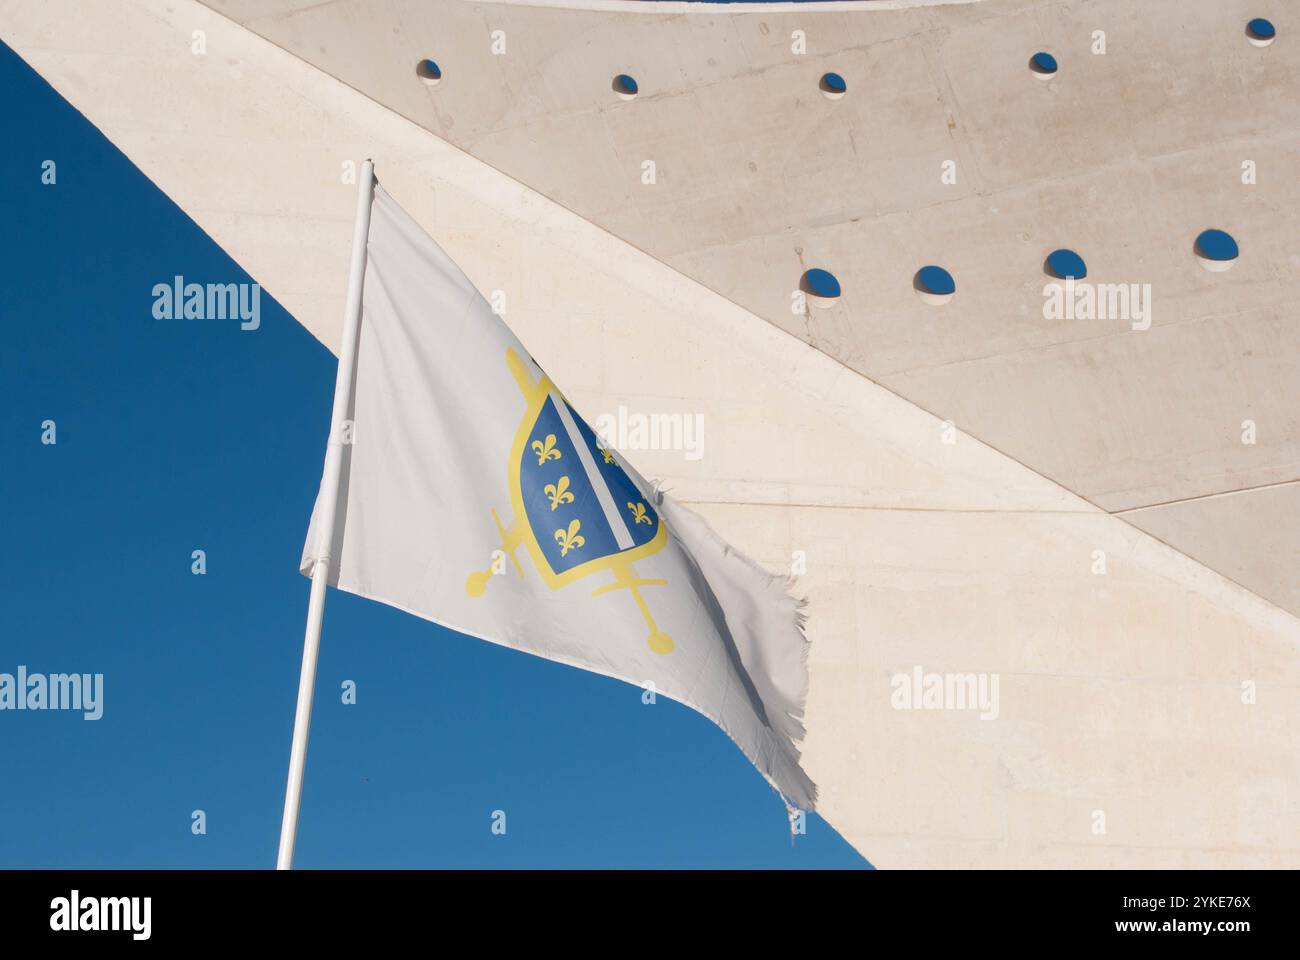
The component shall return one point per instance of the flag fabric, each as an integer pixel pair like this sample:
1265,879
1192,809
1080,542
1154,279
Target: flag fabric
475,496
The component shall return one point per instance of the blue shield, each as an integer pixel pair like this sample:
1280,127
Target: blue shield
578,501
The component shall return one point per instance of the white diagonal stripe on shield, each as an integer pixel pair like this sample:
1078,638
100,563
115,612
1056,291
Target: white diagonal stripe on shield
615,519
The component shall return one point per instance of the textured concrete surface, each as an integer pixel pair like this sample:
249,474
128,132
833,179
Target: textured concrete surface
1147,703
1124,156
1267,519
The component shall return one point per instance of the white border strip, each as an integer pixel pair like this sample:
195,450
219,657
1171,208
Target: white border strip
622,536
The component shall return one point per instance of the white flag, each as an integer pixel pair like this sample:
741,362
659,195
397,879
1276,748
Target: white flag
475,496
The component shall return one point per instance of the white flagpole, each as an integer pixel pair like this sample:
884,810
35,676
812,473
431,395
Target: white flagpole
330,490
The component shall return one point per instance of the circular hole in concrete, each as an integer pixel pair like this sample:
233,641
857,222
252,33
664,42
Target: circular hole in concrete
1261,32
832,85
820,287
429,72
625,86
1216,250
1043,65
934,285
1065,264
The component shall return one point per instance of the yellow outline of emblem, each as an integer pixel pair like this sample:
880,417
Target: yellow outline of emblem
521,533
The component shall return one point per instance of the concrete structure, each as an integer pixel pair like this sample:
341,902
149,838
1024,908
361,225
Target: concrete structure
974,488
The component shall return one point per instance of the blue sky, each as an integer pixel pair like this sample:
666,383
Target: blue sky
177,435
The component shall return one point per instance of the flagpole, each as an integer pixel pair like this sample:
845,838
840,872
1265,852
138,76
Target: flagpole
329,503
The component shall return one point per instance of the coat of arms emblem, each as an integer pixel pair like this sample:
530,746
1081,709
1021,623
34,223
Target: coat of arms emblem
576,511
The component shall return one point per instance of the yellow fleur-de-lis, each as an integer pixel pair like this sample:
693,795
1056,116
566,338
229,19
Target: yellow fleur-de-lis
609,457
638,513
570,539
546,451
558,492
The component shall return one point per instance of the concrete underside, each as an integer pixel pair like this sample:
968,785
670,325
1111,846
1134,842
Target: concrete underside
1124,156
1121,692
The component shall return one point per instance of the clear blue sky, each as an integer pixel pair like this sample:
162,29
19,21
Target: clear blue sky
177,435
